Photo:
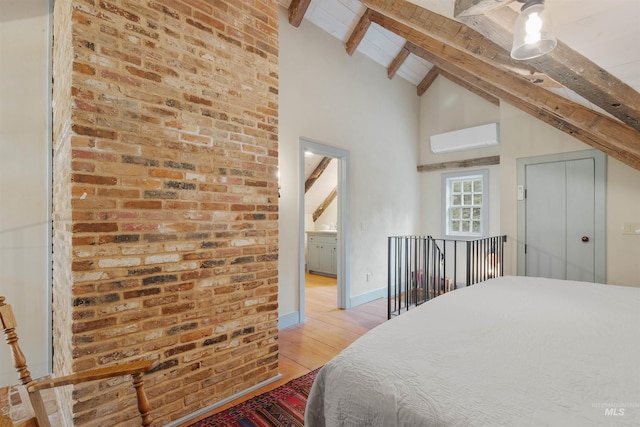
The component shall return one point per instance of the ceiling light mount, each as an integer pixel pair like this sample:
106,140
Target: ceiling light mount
532,34
527,3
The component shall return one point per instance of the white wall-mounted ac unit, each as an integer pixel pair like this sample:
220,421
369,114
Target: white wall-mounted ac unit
465,139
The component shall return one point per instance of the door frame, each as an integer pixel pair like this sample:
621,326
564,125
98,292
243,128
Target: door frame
343,226
600,174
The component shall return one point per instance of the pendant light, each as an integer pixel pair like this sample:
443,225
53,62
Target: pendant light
532,35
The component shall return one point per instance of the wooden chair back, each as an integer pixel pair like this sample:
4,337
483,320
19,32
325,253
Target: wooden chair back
135,369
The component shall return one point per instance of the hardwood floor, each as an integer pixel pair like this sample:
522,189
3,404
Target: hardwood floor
326,332
327,329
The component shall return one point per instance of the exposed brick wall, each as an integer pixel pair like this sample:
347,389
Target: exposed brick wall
165,199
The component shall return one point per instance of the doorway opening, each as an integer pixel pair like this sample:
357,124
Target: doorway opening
328,236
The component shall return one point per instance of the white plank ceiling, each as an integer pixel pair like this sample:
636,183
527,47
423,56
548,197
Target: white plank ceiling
605,31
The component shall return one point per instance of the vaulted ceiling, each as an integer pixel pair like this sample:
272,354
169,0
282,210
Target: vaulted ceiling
587,86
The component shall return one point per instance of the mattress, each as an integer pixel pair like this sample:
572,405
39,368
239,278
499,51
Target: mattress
512,351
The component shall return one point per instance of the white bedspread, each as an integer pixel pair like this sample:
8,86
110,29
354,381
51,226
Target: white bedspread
513,351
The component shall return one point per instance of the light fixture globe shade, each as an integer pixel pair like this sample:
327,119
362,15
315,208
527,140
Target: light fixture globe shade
532,35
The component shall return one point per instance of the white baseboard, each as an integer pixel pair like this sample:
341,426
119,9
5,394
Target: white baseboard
288,320
368,297
223,402
292,319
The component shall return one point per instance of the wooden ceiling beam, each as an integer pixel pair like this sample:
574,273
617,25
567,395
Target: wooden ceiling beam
471,88
325,204
297,9
436,71
458,164
464,8
317,172
588,80
358,32
493,25
425,84
562,64
397,62
456,34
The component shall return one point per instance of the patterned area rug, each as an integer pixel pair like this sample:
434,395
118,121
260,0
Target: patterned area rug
281,407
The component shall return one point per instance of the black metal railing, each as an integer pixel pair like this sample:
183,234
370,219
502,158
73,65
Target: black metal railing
421,267
485,259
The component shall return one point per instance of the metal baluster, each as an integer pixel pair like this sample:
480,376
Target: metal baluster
389,278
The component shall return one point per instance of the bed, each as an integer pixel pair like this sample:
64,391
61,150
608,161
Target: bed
512,351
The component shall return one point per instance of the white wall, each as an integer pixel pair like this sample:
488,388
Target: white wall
447,107
346,102
24,174
623,206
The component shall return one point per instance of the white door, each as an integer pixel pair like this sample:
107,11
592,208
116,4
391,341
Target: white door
560,220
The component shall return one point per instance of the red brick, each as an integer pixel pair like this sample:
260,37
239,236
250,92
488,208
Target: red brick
144,74
91,131
142,204
209,20
84,69
95,227
166,173
109,7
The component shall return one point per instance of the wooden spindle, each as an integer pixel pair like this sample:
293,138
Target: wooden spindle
143,403
9,325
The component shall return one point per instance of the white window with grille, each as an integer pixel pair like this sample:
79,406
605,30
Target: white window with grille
465,204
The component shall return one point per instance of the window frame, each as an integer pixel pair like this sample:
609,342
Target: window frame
447,180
